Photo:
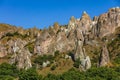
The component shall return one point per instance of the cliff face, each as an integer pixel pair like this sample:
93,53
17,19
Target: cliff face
21,45
108,22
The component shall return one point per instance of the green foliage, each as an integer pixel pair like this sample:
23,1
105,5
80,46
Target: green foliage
53,67
72,55
102,73
15,34
30,47
52,77
30,74
57,53
115,43
114,49
44,58
77,63
117,60
73,75
6,77
117,69
8,70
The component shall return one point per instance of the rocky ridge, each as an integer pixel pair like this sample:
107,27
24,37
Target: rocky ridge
21,45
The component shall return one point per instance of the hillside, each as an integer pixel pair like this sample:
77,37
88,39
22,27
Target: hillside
82,48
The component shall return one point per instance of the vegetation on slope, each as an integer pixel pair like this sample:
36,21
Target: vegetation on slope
10,72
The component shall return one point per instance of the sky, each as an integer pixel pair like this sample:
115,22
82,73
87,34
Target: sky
43,13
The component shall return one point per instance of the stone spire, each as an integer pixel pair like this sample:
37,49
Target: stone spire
80,51
72,23
85,16
104,57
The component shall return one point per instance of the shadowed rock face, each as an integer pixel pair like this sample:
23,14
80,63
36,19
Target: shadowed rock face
71,37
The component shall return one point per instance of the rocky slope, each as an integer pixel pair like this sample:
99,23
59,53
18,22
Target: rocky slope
82,37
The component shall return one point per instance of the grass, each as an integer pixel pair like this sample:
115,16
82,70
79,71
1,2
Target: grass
63,66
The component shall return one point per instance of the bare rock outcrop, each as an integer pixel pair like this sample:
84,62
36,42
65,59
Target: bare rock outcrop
72,23
108,22
85,22
74,36
80,51
3,51
104,57
21,56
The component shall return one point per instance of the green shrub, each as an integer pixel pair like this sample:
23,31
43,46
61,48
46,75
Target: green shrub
7,69
102,72
30,74
7,77
53,67
30,47
15,34
117,69
73,74
52,77
57,53
44,58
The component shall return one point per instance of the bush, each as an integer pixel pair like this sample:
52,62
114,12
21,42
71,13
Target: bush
117,60
117,69
51,77
57,53
53,67
8,70
30,74
44,58
3,77
15,34
73,74
30,47
103,72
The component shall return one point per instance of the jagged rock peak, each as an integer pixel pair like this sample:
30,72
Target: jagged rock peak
72,19
72,23
84,12
114,9
85,16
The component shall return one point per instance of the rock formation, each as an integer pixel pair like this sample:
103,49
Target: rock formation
80,51
107,22
104,57
21,55
18,43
